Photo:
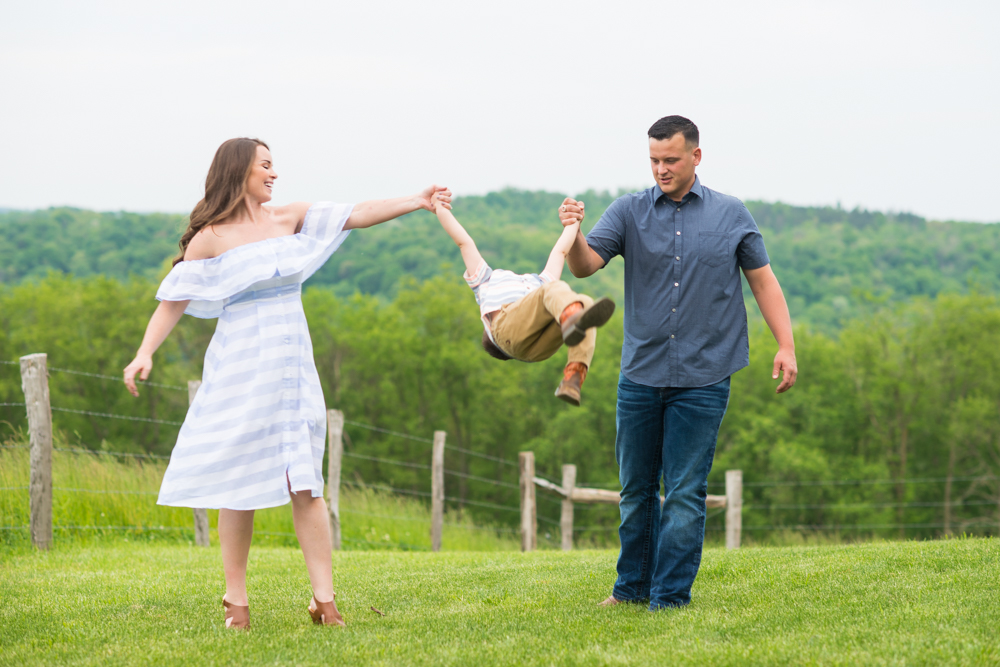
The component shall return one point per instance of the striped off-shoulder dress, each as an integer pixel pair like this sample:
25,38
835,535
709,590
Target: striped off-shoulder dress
259,418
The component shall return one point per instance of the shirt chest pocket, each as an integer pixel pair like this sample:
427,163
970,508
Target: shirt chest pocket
713,248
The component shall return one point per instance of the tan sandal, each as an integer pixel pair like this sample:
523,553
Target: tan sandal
236,616
326,613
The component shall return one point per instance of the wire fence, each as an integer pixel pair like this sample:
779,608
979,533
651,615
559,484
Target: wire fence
503,486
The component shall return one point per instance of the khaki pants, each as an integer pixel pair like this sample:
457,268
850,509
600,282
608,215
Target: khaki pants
529,330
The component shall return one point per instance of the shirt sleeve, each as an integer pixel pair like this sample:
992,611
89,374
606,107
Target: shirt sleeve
481,277
607,238
750,252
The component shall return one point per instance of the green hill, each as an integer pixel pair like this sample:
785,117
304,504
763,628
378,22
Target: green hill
834,264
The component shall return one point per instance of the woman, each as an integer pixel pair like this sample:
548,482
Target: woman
254,435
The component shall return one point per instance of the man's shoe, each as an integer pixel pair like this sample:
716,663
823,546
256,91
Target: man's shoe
574,327
573,376
609,602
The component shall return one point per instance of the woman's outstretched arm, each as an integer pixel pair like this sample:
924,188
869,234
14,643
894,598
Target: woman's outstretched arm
375,211
557,258
164,319
470,253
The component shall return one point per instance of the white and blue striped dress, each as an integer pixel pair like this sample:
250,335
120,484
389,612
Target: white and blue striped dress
259,414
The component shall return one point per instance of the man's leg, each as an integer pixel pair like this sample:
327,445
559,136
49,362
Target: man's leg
638,448
690,428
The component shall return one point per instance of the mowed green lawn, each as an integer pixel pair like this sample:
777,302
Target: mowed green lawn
126,603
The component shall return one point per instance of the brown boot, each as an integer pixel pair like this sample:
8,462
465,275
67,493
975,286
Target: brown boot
575,322
573,376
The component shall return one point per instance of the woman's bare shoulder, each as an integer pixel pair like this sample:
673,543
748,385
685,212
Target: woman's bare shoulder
291,215
203,245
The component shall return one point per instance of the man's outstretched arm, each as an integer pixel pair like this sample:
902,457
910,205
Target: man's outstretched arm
582,259
771,301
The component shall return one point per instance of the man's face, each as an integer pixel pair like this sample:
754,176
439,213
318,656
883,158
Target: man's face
673,162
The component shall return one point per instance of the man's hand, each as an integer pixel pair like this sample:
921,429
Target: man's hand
429,196
571,212
785,361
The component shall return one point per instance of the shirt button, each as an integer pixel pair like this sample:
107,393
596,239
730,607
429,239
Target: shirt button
678,209
673,310
677,258
677,284
671,335
678,233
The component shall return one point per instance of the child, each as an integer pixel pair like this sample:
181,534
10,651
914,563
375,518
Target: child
529,316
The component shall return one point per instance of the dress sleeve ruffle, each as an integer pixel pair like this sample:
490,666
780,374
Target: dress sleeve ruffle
209,283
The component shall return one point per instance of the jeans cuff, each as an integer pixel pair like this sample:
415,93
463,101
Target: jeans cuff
657,606
622,596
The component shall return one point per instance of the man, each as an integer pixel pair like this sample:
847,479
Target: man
685,334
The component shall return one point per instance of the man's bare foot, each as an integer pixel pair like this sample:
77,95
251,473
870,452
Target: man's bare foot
610,602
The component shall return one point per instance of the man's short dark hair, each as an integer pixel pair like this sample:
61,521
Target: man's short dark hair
492,348
668,126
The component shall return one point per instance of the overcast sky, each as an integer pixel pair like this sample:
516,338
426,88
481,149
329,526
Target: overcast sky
121,105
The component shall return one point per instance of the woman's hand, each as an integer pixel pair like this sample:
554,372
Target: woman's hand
141,365
429,197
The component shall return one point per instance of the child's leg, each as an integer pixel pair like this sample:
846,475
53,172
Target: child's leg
584,352
558,296
529,329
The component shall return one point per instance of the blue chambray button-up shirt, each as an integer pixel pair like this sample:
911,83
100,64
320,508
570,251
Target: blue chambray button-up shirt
685,322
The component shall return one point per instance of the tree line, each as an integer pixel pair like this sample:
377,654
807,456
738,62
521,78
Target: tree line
835,265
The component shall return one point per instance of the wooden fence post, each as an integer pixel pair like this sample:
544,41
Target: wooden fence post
437,490
566,517
335,446
734,508
200,513
35,384
529,522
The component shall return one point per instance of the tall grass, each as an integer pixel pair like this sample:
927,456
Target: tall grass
100,496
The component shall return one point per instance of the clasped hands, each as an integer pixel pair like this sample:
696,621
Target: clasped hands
571,212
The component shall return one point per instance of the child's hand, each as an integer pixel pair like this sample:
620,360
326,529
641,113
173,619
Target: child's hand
571,212
441,199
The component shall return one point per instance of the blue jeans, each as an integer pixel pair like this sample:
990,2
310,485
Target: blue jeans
670,432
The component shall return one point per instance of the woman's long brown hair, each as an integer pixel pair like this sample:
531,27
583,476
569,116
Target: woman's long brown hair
225,187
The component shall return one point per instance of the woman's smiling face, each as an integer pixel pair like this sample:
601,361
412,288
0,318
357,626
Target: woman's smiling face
262,176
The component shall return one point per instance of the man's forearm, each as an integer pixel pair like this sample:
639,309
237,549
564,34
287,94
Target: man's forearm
774,308
582,259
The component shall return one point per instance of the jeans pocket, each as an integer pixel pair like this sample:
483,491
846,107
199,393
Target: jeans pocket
713,248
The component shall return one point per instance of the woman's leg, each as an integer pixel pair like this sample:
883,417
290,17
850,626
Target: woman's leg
312,527
235,533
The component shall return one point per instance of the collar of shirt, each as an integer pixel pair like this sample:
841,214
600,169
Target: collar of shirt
696,191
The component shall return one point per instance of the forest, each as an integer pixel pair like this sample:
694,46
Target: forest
893,429
834,265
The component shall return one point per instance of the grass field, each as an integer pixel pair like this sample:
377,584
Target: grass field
112,493
125,604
